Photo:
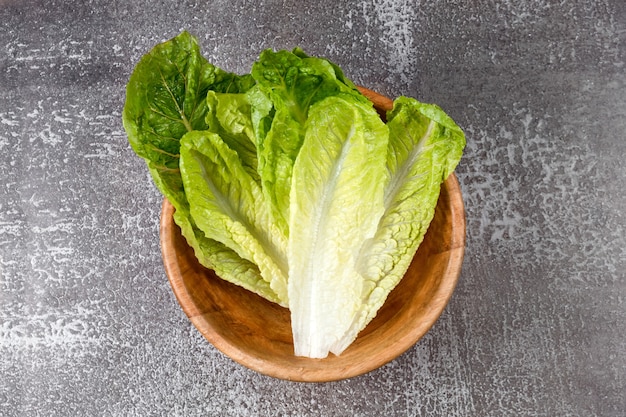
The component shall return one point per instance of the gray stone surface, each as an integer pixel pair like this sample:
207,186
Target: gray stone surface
537,326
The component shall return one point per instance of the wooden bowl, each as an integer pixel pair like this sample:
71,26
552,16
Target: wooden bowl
257,333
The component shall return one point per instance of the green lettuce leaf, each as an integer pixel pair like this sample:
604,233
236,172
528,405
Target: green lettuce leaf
336,201
288,84
228,206
230,116
166,97
224,261
425,145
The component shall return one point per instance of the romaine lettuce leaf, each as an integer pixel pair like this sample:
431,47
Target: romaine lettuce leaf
230,116
166,97
336,201
425,145
288,84
228,206
225,262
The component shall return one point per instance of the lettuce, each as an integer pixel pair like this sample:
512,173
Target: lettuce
289,84
425,146
227,205
166,97
336,201
287,182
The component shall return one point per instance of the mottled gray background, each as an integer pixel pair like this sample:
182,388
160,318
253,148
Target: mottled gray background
537,326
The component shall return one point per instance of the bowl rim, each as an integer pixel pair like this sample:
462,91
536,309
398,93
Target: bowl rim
331,368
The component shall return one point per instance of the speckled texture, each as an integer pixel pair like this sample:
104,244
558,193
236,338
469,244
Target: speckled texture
89,325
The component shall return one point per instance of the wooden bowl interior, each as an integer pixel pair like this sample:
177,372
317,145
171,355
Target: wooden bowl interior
257,333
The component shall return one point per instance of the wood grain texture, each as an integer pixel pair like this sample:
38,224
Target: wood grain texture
257,333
